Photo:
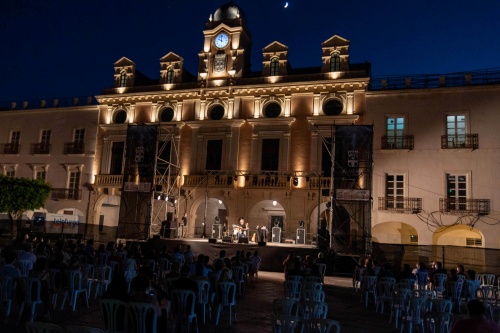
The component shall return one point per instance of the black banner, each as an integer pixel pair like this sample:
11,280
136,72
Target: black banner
353,149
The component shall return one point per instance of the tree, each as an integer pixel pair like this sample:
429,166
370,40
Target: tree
18,195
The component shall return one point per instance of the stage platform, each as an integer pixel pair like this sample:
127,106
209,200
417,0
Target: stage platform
272,254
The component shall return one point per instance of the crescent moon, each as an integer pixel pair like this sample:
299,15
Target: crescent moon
286,4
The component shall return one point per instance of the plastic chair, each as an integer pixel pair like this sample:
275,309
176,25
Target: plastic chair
142,317
226,299
399,303
319,325
40,327
55,284
454,291
422,280
312,285
284,324
286,306
368,286
31,295
74,288
183,307
408,283
88,276
102,279
101,258
203,296
415,314
312,295
151,264
487,295
297,278
239,278
129,272
292,289
82,329
438,282
164,266
313,309
24,266
113,314
312,279
7,292
384,294
440,315
487,279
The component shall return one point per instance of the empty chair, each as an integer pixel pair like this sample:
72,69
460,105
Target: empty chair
439,318
422,280
142,317
284,324
239,278
31,295
82,329
103,274
454,291
113,314
7,287
292,288
74,288
313,309
399,303
319,325
183,308
384,293
225,299
203,296
40,327
88,276
25,266
368,287
487,279
312,295
286,306
415,315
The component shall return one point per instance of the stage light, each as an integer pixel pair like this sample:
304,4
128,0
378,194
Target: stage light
275,202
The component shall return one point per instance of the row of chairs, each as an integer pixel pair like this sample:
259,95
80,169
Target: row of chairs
42,327
294,324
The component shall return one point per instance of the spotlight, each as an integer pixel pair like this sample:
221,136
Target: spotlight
275,202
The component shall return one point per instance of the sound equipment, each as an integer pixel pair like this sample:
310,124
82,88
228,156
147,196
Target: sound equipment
262,243
212,240
217,231
276,235
227,239
301,236
243,240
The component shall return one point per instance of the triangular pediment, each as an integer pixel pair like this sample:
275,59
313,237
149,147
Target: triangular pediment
275,47
124,61
334,41
171,57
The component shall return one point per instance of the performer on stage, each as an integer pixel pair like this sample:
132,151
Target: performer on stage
183,225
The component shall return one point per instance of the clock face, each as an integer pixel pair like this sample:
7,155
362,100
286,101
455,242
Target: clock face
221,40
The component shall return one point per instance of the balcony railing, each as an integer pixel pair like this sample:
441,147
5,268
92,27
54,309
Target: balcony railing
40,148
400,205
11,148
464,206
404,142
74,148
66,194
468,141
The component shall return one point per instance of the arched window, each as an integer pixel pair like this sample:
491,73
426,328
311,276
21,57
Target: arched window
167,114
332,108
123,79
217,112
275,67
170,76
335,63
120,117
272,110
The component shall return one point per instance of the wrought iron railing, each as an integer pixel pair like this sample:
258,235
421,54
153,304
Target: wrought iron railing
405,142
11,148
464,206
40,148
468,141
66,194
74,148
400,204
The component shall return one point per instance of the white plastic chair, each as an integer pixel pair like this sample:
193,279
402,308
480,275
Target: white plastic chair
25,266
284,324
415,314
103,274
113,315
142,317
286,306
7,292
368,287
399,303
55,284
31,292
239,278
203,297
487,279
40,327
183,308
319,325
313,309
226,299
74,288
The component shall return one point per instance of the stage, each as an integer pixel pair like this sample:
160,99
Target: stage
272,254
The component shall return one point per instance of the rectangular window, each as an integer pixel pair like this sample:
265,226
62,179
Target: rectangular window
79,135
394,190
270,154
455,130
15,138
116,166
10,173
456,191
41,174
214,155
74,185
395,131
274,67
101,223
45,137
473,242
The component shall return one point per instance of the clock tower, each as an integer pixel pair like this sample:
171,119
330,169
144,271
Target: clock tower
226,49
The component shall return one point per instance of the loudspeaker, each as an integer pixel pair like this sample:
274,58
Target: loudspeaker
262,243
227,239
212,240
243,240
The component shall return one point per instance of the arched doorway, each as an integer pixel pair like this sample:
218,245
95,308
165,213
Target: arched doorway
394,233
269,213
206,214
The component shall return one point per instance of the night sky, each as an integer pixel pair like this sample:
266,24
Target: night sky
66,48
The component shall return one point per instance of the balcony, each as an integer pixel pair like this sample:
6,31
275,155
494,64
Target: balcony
400,204
72,148
463,141
464,206
11,148
40,148
404,142
66,194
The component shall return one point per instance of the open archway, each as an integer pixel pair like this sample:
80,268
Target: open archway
394,233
